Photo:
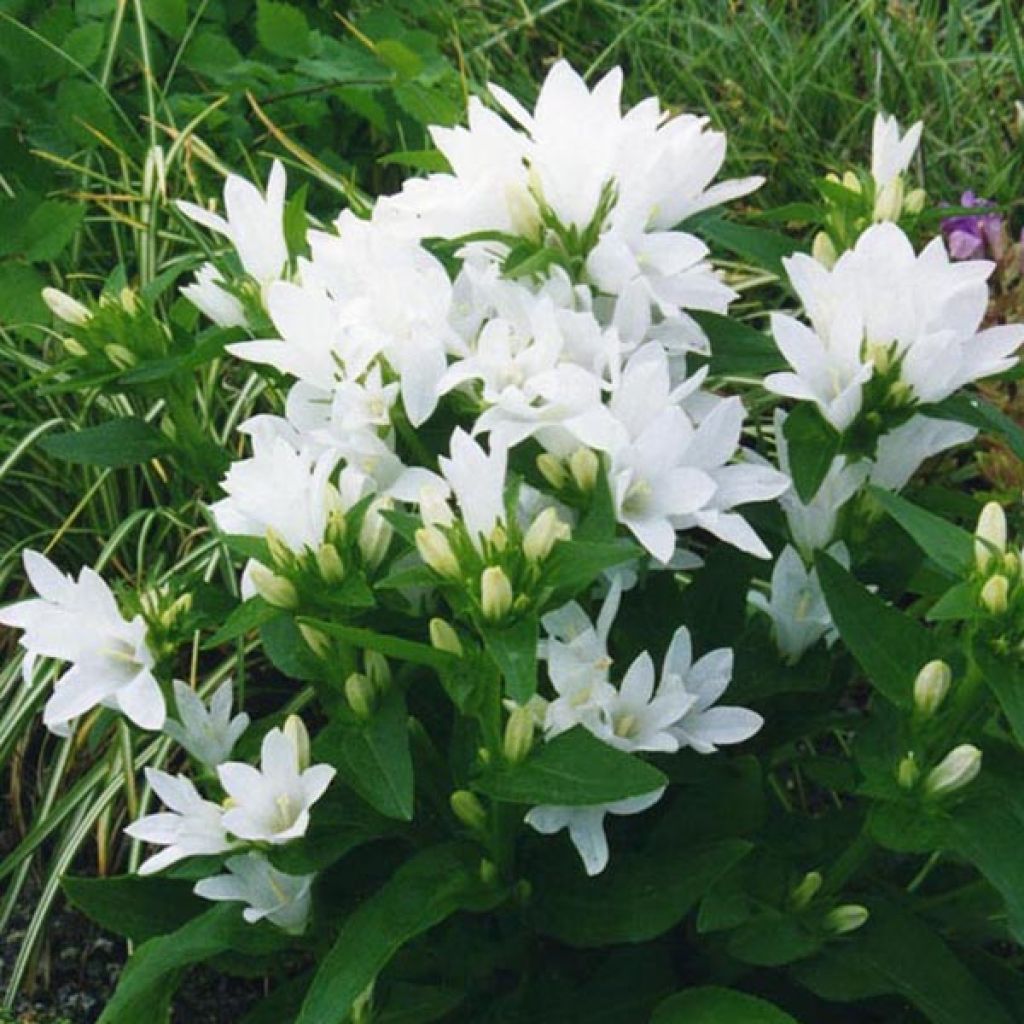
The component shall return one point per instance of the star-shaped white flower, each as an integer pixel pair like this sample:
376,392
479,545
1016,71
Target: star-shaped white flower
209,734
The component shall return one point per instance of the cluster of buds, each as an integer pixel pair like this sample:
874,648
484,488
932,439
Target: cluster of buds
998,568
956,770
578,472
165,611
118,332
364,689
500,572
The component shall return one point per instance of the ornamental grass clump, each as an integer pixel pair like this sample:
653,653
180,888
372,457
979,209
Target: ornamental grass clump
575,610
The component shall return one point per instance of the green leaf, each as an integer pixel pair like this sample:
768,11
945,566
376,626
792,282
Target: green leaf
170,16
1005,678
373,757
889,646
116,443
137,907
282,29
737,349
514,650
766,249
152,972
288,652
575,769
978,413
49,228
430,161
947,545
813,444
637,898
573,565
390,646
958,603
243,619
426,890
712,1005
20,298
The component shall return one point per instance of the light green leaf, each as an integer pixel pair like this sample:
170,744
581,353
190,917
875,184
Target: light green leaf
712,1005
246,617
282,29
574,769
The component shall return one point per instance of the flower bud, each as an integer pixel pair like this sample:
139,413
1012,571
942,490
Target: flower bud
958,768
436,551
129,301
75,348
274,589
375,533
553,470
544,532
889,201
823,250
495,593
434,507
319,643
805,891
377,670
846,918
467,808
280,554
337,524
121,357
488,872
907,772
1011,563
522,209
65,308
360,694
444,638
295,730
329,562
931,686
584,466
518,735
995,594
990,535
852,182
499,538
914,202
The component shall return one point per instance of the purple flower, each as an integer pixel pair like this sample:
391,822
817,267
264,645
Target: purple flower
973,236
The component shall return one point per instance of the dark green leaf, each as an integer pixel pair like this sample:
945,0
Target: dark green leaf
573,565
282,29
978,413
122,442
737,349
813,444
390,646
49,228
711,1005
288,652
514,650
243,619
766,249
946,544
890,646
574,769
1005,678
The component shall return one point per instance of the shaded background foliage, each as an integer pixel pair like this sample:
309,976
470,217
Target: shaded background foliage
91,91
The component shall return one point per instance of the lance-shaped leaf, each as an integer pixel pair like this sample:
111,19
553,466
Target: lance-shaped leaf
947,545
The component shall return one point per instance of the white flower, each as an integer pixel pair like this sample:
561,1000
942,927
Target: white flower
796,606
279,488
271,804
901,451
478,482
207,295
890,153
254,224
209,734
282,899
80,622
191,827
812,525
882,308
705,727
586,825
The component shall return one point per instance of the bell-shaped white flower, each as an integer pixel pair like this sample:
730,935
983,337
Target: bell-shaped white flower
208,733
892,152
282,899
254,223
79,622
210,298
477,479
190,827
705,727
586,825
901,451
796,604
271,804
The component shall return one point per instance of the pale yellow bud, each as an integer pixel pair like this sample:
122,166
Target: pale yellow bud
360,694
553,470
914,202
852,182
889,201
544,532
121,357
75,348
823,250
499,538
319,643
956,770
280,553
65,308
495,593
436,551
805,890
844,919
295,730
129,301
584,466
518,735
990,535
908,772
375,533
329,562
995,594
931,686
444,638
377,670
467,808
274,589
